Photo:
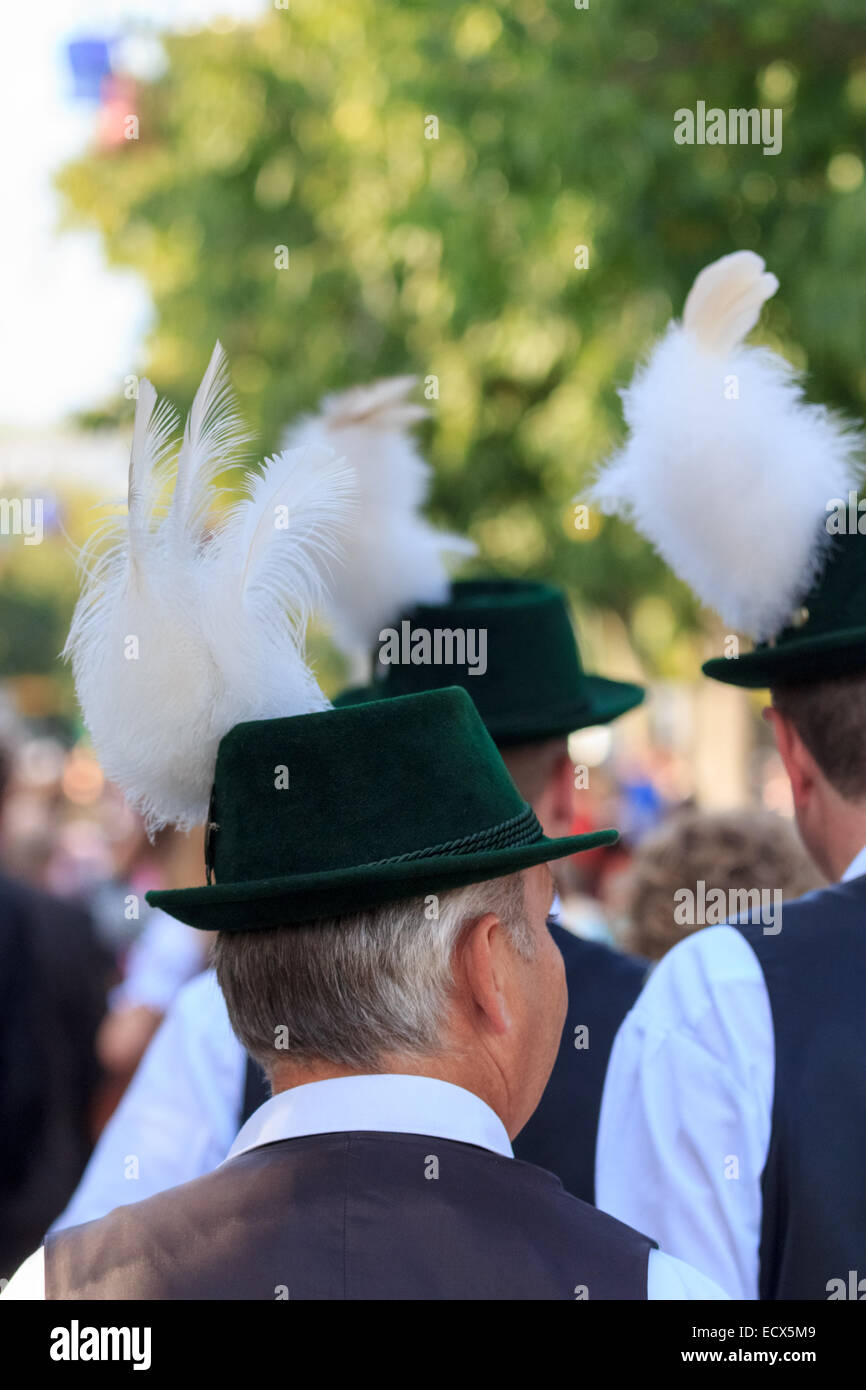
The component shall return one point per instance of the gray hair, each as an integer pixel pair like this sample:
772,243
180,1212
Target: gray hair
351,990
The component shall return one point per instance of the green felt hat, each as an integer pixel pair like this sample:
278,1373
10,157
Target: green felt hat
324,814
534,686
826,636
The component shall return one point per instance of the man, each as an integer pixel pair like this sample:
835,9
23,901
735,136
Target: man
195,1086
734,1115
384,953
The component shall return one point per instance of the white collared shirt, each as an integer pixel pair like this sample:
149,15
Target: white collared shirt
390,1104
688,1094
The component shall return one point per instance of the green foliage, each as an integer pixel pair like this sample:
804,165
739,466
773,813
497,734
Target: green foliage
32,631
38,587
454,256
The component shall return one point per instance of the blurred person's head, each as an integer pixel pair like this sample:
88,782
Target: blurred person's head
820,731
475,995
701,868
544,775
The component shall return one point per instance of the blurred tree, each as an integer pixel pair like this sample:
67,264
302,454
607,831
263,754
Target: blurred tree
432,170
38,587
32,631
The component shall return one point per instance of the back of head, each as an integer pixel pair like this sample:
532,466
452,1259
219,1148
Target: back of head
830,719
701,868
355,991
543,775
466,986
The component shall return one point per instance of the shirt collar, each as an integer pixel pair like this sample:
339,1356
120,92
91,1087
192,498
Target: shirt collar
857,867
389,1104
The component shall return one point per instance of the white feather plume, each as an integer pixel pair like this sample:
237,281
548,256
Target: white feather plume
728,469
213,440
188,625
393,557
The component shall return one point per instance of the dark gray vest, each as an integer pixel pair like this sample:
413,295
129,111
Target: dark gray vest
355,1216
814,1184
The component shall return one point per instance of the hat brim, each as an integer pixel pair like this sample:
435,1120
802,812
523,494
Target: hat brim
601,702
798,659
278,902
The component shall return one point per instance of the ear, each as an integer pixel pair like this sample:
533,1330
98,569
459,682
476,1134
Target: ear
798,761
485,959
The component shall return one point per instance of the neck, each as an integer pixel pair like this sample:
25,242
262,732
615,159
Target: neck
844,843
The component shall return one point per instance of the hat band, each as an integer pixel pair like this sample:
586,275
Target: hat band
522,829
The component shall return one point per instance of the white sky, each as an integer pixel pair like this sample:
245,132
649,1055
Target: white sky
71,327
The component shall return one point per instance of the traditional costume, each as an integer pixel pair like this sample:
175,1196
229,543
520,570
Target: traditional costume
195,1087
311,812
733,1123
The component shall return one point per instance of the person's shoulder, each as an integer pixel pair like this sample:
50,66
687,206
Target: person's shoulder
830,901
711,955
713,971
572,1212
78,1258
132,1222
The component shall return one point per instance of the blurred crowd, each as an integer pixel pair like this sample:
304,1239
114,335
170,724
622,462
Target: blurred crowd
88,970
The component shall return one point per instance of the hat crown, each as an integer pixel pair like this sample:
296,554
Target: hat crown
509,643
325,792
837,599
825,637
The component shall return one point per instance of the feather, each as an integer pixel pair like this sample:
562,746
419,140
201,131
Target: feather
213,440
724,303
179,636
393,557
282,545
727,470
151,443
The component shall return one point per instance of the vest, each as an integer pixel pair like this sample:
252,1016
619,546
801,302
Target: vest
813,1230
354,1216
602,986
